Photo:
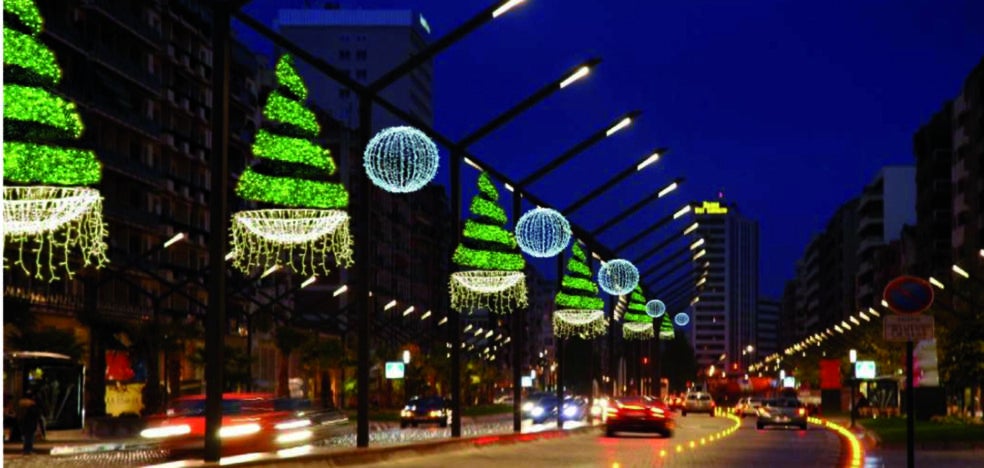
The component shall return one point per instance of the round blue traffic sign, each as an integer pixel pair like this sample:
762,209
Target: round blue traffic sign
908,295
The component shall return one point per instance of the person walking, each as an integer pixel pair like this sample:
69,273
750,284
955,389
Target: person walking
28,418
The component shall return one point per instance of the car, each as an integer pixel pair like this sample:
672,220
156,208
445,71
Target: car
638,414
543,409
675,402
698,402
251,422
781,412
748,406
532,400
426,410
575,409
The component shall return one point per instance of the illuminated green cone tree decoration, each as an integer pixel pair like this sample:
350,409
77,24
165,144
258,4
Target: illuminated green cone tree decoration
638,324
48,212
490,266
579,312
293,172
666,331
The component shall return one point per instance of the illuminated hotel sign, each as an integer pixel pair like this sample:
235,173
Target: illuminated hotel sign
711,208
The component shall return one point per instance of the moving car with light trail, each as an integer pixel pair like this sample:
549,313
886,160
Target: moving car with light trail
638,414
251,422
426,410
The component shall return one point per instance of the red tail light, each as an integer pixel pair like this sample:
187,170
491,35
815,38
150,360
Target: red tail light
801,411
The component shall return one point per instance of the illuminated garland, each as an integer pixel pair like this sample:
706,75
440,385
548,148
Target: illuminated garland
575,323
578,308
297,238
495,291
401,159
292,171
637,302
655,308
618,277
51,222
637,331
487,254
577,291
542,232
666,331
55,216
22,50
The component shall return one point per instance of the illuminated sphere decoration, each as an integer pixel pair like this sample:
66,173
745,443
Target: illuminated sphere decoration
542,232
618,277
655,308
401,159
681,319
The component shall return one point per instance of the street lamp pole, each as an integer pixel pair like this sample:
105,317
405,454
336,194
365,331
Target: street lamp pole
853,357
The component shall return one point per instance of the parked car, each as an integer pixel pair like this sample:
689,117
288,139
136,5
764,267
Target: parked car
698,402
426,410
781,412
748,406
638,414
251,422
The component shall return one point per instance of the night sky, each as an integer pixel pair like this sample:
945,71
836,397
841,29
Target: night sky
787,107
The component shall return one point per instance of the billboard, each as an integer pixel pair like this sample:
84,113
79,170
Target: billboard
395,369
830,374
864,370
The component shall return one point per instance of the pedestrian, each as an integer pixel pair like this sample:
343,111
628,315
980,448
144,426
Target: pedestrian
28,418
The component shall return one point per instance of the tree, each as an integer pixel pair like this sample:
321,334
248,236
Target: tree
286,339
666,331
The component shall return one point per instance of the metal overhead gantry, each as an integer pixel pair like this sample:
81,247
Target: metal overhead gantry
637,206
643,163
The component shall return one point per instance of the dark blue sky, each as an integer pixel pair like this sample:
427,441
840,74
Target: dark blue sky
789,107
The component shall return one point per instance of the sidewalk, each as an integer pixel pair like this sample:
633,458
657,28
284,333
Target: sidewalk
878,455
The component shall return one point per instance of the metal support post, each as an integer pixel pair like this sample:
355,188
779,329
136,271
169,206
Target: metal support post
518,332
454,318
363,243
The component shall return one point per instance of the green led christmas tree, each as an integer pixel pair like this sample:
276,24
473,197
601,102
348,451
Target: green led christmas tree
47,208
491,267
579,311
293,171
638,325
666,331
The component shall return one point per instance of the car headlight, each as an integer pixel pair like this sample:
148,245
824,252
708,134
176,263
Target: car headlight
406,413
293,424
570,411
435,413
295,436
528,406
764,413
239,430
165,431
537,411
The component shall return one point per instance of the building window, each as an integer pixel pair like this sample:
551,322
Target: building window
344,38
360,74
360,55
344,54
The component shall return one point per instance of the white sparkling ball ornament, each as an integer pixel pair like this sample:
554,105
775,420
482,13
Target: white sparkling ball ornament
618,277
542,232
401,159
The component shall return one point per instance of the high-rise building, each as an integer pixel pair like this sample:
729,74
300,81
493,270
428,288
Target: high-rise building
886,205
967,174
766,329
933,148
724,318
366,44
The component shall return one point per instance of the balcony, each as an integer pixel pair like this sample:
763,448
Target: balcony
127,68
133,217
126,166
114,108
134,24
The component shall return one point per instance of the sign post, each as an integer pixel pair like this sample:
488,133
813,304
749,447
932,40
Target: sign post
908,296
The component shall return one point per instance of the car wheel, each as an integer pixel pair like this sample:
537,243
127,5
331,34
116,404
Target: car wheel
443,423
609,433
413,424
711,414
803,426
667,433
403,424
759,426
683,413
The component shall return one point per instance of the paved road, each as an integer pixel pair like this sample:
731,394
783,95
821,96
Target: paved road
746,447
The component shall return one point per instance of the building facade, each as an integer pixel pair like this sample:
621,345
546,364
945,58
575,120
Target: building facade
886,205
766,329
366,44
724,318
967,171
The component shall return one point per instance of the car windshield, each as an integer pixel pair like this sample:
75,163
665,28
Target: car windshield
429,402
782,403
637,400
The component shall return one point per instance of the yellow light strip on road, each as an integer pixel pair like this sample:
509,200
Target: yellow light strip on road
856,453
692,444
